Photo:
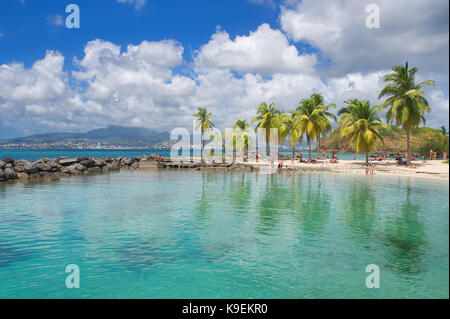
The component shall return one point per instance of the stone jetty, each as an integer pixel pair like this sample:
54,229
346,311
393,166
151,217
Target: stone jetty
46,169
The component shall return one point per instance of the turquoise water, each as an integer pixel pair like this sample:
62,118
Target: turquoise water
191,234
35,154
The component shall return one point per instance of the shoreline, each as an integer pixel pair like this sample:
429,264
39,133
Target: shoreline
44,170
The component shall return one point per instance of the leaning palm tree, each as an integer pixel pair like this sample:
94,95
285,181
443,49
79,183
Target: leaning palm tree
325,108
267,117
288,128
204,123
360,123
244,126
310,121
405,100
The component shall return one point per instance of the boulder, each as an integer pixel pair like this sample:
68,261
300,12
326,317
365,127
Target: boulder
9,165
19,168
99,163
10,173
135,165
94,169
23,177
2,175
30,169
114,166
8,160
82,158
67,161
126,161
2,164
87,163
44,167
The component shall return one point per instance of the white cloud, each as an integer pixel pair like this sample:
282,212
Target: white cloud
138,85
137,4
265,51
409,29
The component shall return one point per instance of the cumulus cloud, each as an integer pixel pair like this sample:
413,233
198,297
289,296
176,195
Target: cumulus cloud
140,85
137,4
265,51
416,30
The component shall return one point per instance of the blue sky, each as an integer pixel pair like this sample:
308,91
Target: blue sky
151,63
28,33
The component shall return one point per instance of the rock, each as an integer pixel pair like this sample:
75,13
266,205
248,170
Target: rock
105,169
10,173
114,166
67,161
19,168
88,163
9,165
43,167
82,158
2,175
8,160
135,165
126,161
99,163
30,169
94,169
2,164
23,177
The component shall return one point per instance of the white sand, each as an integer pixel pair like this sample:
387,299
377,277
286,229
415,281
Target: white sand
429,169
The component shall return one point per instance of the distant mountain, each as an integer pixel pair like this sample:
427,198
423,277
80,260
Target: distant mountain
117,135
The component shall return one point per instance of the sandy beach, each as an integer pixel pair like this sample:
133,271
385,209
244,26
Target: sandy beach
429,169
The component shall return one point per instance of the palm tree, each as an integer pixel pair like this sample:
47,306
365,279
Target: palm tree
288,128
443,130
267,117
311,121
319,103
360,123
244,126
204,123
406,102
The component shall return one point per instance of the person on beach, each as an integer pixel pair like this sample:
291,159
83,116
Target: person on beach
257,156
314,161
300,157
323,155
280,164
445,156
431,154
435,155
369,168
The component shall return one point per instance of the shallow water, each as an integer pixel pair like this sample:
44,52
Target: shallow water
190,234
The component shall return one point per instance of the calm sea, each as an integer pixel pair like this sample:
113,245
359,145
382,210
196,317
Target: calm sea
192,234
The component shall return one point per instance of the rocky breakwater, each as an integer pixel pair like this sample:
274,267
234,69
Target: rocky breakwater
46,169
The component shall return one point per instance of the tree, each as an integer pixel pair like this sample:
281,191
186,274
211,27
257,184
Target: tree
288,128
325,109
360,123
405,101
204,123
267,117
443,130
243,126
310,121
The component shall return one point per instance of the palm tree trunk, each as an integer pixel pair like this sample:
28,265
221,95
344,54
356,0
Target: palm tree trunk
267,143
201,148
408,148
309,150
293,151
318,145
367,157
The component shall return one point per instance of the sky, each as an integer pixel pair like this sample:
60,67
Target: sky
152,63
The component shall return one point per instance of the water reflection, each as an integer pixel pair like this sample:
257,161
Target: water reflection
405,237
